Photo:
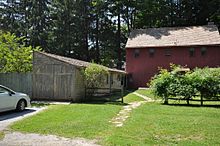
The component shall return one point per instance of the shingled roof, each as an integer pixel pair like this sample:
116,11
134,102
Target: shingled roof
76,62
174,36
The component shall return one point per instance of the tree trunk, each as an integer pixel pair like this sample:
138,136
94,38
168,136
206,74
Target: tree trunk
119,38
166,100
86,46
97,40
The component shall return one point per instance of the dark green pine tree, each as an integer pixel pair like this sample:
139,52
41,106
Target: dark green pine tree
38,23
11,16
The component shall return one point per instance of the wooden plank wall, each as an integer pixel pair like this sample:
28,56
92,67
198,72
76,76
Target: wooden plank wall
53,79
19,82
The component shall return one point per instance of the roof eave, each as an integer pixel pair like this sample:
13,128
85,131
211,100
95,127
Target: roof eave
173,46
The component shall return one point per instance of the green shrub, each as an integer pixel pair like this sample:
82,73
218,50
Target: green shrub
160,83
95,75
205,82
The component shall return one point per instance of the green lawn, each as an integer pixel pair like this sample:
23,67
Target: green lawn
157,124
150,124
76,120
1,135
146,92
132,98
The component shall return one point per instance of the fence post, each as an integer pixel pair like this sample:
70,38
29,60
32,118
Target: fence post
110,84
187,101
122,94
85,93
201,100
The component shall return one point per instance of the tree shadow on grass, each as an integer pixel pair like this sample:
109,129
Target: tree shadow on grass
192,105
106,102
114,99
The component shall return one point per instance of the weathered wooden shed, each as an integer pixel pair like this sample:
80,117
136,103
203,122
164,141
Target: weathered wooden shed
60,78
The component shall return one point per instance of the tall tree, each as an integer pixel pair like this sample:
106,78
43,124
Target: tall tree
39,23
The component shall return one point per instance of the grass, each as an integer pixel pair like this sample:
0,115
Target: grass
76,120
146,92
132,98
1,135
156,124
150,124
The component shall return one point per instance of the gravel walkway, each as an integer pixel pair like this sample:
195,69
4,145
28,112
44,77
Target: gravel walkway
25,139
125,112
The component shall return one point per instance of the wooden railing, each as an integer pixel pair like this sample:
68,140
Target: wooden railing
105,94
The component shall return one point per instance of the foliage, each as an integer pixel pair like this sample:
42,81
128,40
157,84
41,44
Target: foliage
97,30
161,82
14,55
205,82
95,75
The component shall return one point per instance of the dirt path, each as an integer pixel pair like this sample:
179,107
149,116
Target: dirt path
118,121
21,139
26,139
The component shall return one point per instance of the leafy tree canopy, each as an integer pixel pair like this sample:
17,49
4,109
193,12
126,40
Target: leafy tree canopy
15,56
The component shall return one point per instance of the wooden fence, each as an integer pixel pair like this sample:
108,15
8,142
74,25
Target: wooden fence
19,82
104,94
201,100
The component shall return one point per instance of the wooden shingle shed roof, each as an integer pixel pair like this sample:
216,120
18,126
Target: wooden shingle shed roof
77,63
174,36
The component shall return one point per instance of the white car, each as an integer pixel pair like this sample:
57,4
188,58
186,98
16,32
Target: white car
11,100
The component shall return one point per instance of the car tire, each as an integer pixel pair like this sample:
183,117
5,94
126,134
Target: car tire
21,105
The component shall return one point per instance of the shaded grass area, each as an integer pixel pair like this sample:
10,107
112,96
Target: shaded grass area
1,135
116,99
156,124
76,120
39,104
149,93
195,103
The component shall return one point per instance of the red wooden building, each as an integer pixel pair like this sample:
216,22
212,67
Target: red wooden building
148,49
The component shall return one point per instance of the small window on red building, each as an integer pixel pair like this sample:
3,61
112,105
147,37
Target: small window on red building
203,51
167,52
191,52
136,53
151,52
